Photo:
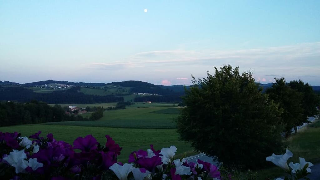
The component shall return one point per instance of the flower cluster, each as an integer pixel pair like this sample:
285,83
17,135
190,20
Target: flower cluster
295,170
46,158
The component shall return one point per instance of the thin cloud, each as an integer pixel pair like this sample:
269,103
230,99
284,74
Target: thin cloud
272,75
166,82
302,59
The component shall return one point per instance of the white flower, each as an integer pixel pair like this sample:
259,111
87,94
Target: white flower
138,175
200,166
180,169
35,148
34,164
164,176
299,166
177,162
160,167
199,178
281,160
167,154
17,159
150,153
25,142
279,179
121,171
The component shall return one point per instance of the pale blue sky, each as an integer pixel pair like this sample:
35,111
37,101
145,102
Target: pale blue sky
104,41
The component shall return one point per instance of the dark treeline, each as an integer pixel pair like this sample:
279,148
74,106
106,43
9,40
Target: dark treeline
72,95
167,98
144,87
33,112
41,83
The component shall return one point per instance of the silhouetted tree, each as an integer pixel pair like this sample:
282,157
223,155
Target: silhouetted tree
226,115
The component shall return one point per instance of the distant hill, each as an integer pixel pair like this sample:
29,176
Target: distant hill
52,91
8,83
42,83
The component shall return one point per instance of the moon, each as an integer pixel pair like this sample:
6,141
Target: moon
145,10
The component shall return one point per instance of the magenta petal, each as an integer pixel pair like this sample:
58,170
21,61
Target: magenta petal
136,155
143,170
214,172
154,151
173,175
150,163
11,139
108,159
35,135
112,146
50,137
85,144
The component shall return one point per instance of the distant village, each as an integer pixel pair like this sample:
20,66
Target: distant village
54,86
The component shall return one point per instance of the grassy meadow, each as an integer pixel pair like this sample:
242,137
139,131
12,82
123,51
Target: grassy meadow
129,139
305,144
104,105
133,128
138,115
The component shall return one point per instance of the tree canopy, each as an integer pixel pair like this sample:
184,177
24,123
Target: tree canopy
310,99
290,101
227,116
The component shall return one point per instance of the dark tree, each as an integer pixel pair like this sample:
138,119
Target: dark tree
310,99
290,101
226,115
97,114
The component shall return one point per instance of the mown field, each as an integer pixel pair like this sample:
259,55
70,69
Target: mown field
129,139
107,90
139,115
140,125
104,105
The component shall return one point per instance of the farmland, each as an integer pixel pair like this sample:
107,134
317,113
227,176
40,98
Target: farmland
128,139
139,115
133,128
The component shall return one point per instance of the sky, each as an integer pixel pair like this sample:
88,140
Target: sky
158,41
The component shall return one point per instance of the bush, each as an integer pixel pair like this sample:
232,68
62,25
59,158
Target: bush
227,116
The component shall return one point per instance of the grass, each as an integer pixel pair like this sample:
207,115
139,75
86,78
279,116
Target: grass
307,143
107,90
304,144
104,105
168,111
42,90
129,139
139,115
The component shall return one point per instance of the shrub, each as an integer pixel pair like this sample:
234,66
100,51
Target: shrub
227,116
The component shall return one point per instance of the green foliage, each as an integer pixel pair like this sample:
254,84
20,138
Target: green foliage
97,114
227,116
290,101
33,112
310,99
122,105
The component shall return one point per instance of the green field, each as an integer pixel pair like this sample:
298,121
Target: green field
42,90
104,105
107,90
139,115
141,124
129,139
